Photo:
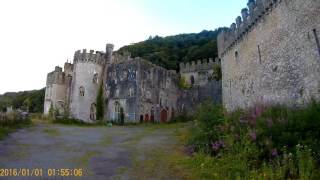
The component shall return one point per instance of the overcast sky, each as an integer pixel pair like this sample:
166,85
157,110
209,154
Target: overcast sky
37,35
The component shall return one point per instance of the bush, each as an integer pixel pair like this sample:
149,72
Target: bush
270,142
183,84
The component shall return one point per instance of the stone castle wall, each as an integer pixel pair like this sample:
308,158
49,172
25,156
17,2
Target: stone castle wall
145,92
141,88
87,75
272,54
56,88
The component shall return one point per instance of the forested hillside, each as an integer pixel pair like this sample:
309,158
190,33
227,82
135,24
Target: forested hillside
33,100
169,51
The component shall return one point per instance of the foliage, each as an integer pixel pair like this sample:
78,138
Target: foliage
12,121
217,74
69,121
208,124
100,104
183,84
265,142
169,51
33,100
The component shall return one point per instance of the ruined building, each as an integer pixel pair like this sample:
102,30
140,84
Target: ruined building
133,88
271,55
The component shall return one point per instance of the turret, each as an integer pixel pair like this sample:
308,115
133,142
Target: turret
109,50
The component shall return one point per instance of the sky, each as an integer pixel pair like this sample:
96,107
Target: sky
37,35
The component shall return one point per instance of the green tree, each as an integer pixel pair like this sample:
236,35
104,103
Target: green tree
100,105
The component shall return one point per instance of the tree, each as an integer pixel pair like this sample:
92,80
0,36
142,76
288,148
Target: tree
100,104
27,104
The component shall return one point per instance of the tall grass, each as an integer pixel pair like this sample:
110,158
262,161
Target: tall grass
12,121
261,143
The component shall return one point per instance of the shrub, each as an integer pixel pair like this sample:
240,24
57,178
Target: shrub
208,127
270,142
183,84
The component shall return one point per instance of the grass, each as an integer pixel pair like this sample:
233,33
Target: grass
5,130
83,160
52,132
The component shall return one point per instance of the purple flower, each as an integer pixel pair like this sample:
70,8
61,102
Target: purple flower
189,150
269,122
274,153
253,135
217,145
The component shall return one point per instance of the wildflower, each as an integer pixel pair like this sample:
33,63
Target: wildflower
217,145
274,153
253,135
269,122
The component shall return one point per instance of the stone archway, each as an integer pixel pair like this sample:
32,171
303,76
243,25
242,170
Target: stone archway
163,115
152,115
146,117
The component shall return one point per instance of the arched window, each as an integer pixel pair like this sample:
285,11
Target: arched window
95,78
81,91
236,55
93,112
192,80
131,92
117,109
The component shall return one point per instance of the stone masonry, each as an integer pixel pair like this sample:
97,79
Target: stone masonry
142,91
271,55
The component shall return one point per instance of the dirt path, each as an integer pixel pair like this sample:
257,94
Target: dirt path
132,152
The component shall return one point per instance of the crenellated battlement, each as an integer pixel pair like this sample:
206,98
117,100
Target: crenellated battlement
198,65
91,56
120,58
250,16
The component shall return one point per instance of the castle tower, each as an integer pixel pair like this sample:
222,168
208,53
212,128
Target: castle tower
88,73
56,91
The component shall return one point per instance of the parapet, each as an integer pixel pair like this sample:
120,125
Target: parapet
249,17
91,56
120,58
199,65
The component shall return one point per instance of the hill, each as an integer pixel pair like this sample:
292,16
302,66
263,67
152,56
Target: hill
31,99
169,51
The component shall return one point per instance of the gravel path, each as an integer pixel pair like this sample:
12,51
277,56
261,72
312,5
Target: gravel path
102,152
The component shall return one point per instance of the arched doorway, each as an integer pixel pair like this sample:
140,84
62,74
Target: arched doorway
141,118
164,115
146,117
152,115
192,80
117,109
93,112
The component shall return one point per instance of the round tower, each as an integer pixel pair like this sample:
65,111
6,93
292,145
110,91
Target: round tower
88,70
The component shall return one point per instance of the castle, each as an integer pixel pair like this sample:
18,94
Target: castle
133,89
271,55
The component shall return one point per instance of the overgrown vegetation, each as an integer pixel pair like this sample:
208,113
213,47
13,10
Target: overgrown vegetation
169,51
10,122
183,84
27,100
217,73
262,143
100,103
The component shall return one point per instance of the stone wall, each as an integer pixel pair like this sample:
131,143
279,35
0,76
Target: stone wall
56,89
121,91
87,75
141,88
272,54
